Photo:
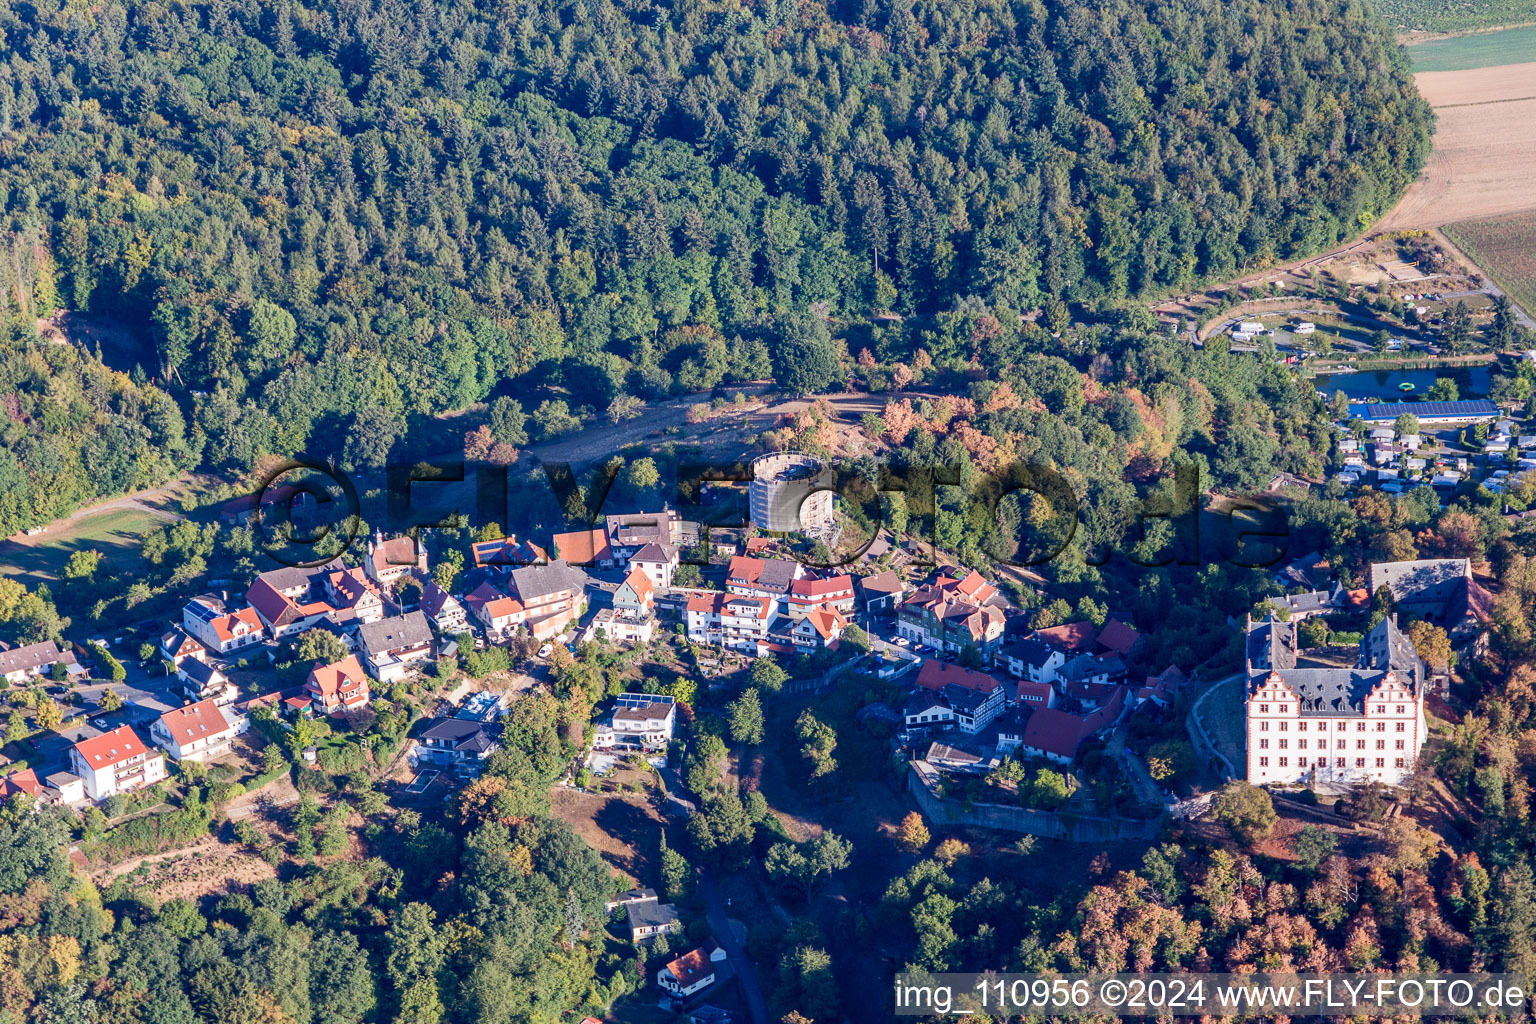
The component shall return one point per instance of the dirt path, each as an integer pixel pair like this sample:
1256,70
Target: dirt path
759,414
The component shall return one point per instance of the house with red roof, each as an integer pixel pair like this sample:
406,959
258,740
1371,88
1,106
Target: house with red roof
820,627
952,695
584,547
1056,734
198,732
1071,637
24,781
692,972
338,687
115,762
1031,694
767,578
507,552
387,562
1118,638
220,630
493,609
737,621
951,614
1163,689
808,593
632,619
292,599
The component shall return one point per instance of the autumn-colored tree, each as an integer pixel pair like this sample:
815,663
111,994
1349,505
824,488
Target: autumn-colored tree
1432,643
478,444
899,420
950,850
913,834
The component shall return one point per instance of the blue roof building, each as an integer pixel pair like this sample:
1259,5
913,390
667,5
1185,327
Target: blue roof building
1427,412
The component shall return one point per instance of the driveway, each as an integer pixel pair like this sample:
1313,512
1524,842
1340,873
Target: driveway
725,933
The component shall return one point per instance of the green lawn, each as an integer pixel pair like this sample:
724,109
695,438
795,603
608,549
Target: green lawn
1456,15
115,533
1484,50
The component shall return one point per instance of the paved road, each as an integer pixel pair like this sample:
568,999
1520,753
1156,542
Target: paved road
725,934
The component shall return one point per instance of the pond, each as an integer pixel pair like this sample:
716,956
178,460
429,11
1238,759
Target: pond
1472,381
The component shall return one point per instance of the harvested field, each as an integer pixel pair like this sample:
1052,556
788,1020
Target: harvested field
1505,248
1484,149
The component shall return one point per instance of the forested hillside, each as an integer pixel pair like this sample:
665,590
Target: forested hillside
373,205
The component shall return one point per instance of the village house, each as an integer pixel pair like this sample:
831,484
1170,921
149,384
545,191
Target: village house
443,609
338,687
809,593
219,630
22,663
201,681
506,553
734,621
387,562
947,695
115,762
657,562
1441,591
766,578
627,534
1121,640
1329,725
457,743
177,645
1056,735
821,627
692,972
1069,638
291,599
1033,660
544,600
391,647
1163,689
632,619
241,511
198,732
1031,694
354,598
643,721
952,614
651,918
497,613
880,593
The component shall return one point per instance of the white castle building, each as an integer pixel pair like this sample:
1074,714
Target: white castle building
1333,726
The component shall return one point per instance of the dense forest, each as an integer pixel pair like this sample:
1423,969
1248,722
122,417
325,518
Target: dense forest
378,209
